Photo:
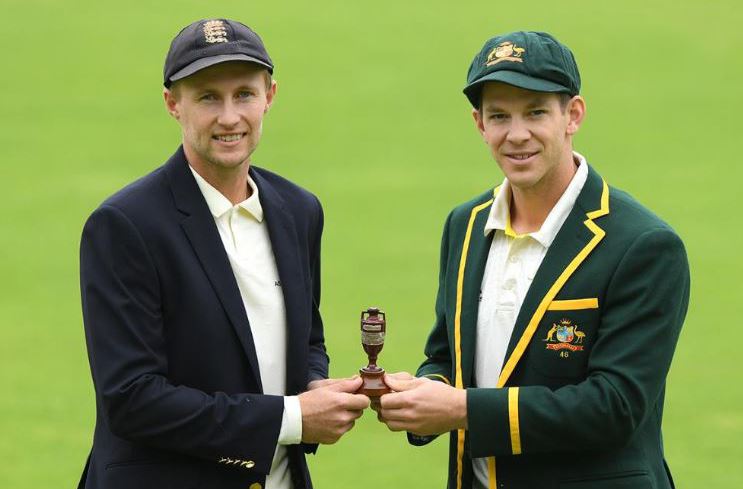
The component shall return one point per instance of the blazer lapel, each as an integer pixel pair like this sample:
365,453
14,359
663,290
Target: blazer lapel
285,245
477,258
201,231
472,261
577,238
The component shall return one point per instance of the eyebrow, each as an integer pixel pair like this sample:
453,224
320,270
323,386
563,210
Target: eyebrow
537,101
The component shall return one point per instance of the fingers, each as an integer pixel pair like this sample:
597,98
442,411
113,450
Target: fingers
355,402
400,384
401,376
392,401
342,430
396,419
397,426
320,383
346,385
317,384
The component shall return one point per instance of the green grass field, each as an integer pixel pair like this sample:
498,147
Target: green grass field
370,117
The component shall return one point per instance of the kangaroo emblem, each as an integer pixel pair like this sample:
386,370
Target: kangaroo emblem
579,335
551,333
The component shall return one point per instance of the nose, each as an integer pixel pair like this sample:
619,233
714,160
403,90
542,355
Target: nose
229,115
518,132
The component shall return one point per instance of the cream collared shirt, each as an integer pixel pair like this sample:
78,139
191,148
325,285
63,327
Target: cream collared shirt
512,262
245,238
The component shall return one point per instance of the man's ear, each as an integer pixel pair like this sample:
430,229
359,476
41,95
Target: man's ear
576,110
270,95
477,116
171,103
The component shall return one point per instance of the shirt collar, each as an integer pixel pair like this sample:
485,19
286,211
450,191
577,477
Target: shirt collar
499,217
219,204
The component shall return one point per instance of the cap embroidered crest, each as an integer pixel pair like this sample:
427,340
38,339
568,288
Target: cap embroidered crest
214,31
505,51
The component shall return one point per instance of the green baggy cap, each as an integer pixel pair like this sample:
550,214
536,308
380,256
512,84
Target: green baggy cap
525,59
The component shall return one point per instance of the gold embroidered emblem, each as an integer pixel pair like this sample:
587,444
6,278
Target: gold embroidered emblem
215,31
564,335
505,51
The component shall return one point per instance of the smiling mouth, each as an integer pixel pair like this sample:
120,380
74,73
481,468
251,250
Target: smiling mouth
229,138
521,156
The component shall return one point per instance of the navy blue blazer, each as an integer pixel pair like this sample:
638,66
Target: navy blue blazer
179,400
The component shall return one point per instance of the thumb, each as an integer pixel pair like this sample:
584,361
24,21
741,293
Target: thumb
400,385
346,385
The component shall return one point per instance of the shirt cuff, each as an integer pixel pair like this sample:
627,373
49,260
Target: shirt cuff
291,422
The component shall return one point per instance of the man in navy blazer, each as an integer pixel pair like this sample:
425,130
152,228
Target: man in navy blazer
200,289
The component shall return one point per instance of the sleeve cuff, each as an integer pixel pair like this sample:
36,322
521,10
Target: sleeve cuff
493,421
291,422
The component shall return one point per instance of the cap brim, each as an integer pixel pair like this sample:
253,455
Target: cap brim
515,79
202,63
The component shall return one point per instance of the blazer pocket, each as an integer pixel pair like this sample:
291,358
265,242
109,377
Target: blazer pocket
623,480
561,344
148,474
574,304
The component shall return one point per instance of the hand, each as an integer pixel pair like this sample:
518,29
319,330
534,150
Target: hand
315,384
422,406
376,406
330,409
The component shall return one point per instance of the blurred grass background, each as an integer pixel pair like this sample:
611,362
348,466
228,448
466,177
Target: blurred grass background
370,117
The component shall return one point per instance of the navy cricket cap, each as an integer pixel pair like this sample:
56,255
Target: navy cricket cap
529,60
207,42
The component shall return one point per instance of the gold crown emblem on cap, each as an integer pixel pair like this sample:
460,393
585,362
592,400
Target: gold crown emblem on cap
505,51
215,31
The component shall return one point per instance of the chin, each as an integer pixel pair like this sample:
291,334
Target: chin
521,181
231,160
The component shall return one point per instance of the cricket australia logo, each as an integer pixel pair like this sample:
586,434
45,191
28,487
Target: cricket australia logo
215,31
505,51
564,335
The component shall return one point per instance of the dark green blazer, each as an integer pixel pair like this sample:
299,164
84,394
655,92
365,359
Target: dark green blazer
579,402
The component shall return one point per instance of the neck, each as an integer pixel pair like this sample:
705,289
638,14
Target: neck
232,182
529,207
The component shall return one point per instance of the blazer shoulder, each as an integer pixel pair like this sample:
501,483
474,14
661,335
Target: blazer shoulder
139,193
141,201
292,193
461,214
631,217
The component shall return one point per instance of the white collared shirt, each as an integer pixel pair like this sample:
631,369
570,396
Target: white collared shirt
513,260
245,238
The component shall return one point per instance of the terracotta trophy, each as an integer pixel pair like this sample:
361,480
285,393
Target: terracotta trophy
373,328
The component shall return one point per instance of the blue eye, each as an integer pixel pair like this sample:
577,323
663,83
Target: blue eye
244,94
208,97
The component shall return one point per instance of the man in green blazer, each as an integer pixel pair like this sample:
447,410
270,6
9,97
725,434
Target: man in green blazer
560,302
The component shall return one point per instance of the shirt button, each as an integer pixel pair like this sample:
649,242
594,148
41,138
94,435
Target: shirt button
509,284
513,259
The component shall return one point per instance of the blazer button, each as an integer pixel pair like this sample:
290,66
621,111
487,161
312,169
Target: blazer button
249,464
255,485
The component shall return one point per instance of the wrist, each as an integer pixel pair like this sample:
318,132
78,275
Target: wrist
462,408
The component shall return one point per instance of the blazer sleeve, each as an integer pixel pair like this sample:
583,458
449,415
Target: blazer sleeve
127,350
646,301
438,364
318,357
